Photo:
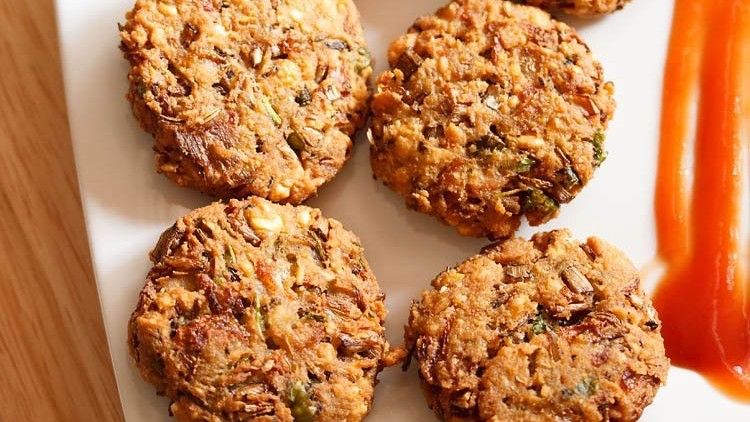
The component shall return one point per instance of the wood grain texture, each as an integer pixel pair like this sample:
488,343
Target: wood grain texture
54,362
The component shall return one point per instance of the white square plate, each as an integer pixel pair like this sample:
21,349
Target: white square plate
127,205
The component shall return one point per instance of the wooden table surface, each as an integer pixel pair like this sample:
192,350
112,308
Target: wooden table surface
54,362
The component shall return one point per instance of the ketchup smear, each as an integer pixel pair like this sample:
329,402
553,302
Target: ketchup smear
703,299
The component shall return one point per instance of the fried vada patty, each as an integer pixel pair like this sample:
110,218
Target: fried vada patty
263,312
248,97
548,329
582,8
491,111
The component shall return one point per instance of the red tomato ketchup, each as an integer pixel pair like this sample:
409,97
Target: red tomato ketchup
702,297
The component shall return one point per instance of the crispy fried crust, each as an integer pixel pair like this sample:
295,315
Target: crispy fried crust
583,8
256,311
491,111
248,97
542,330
